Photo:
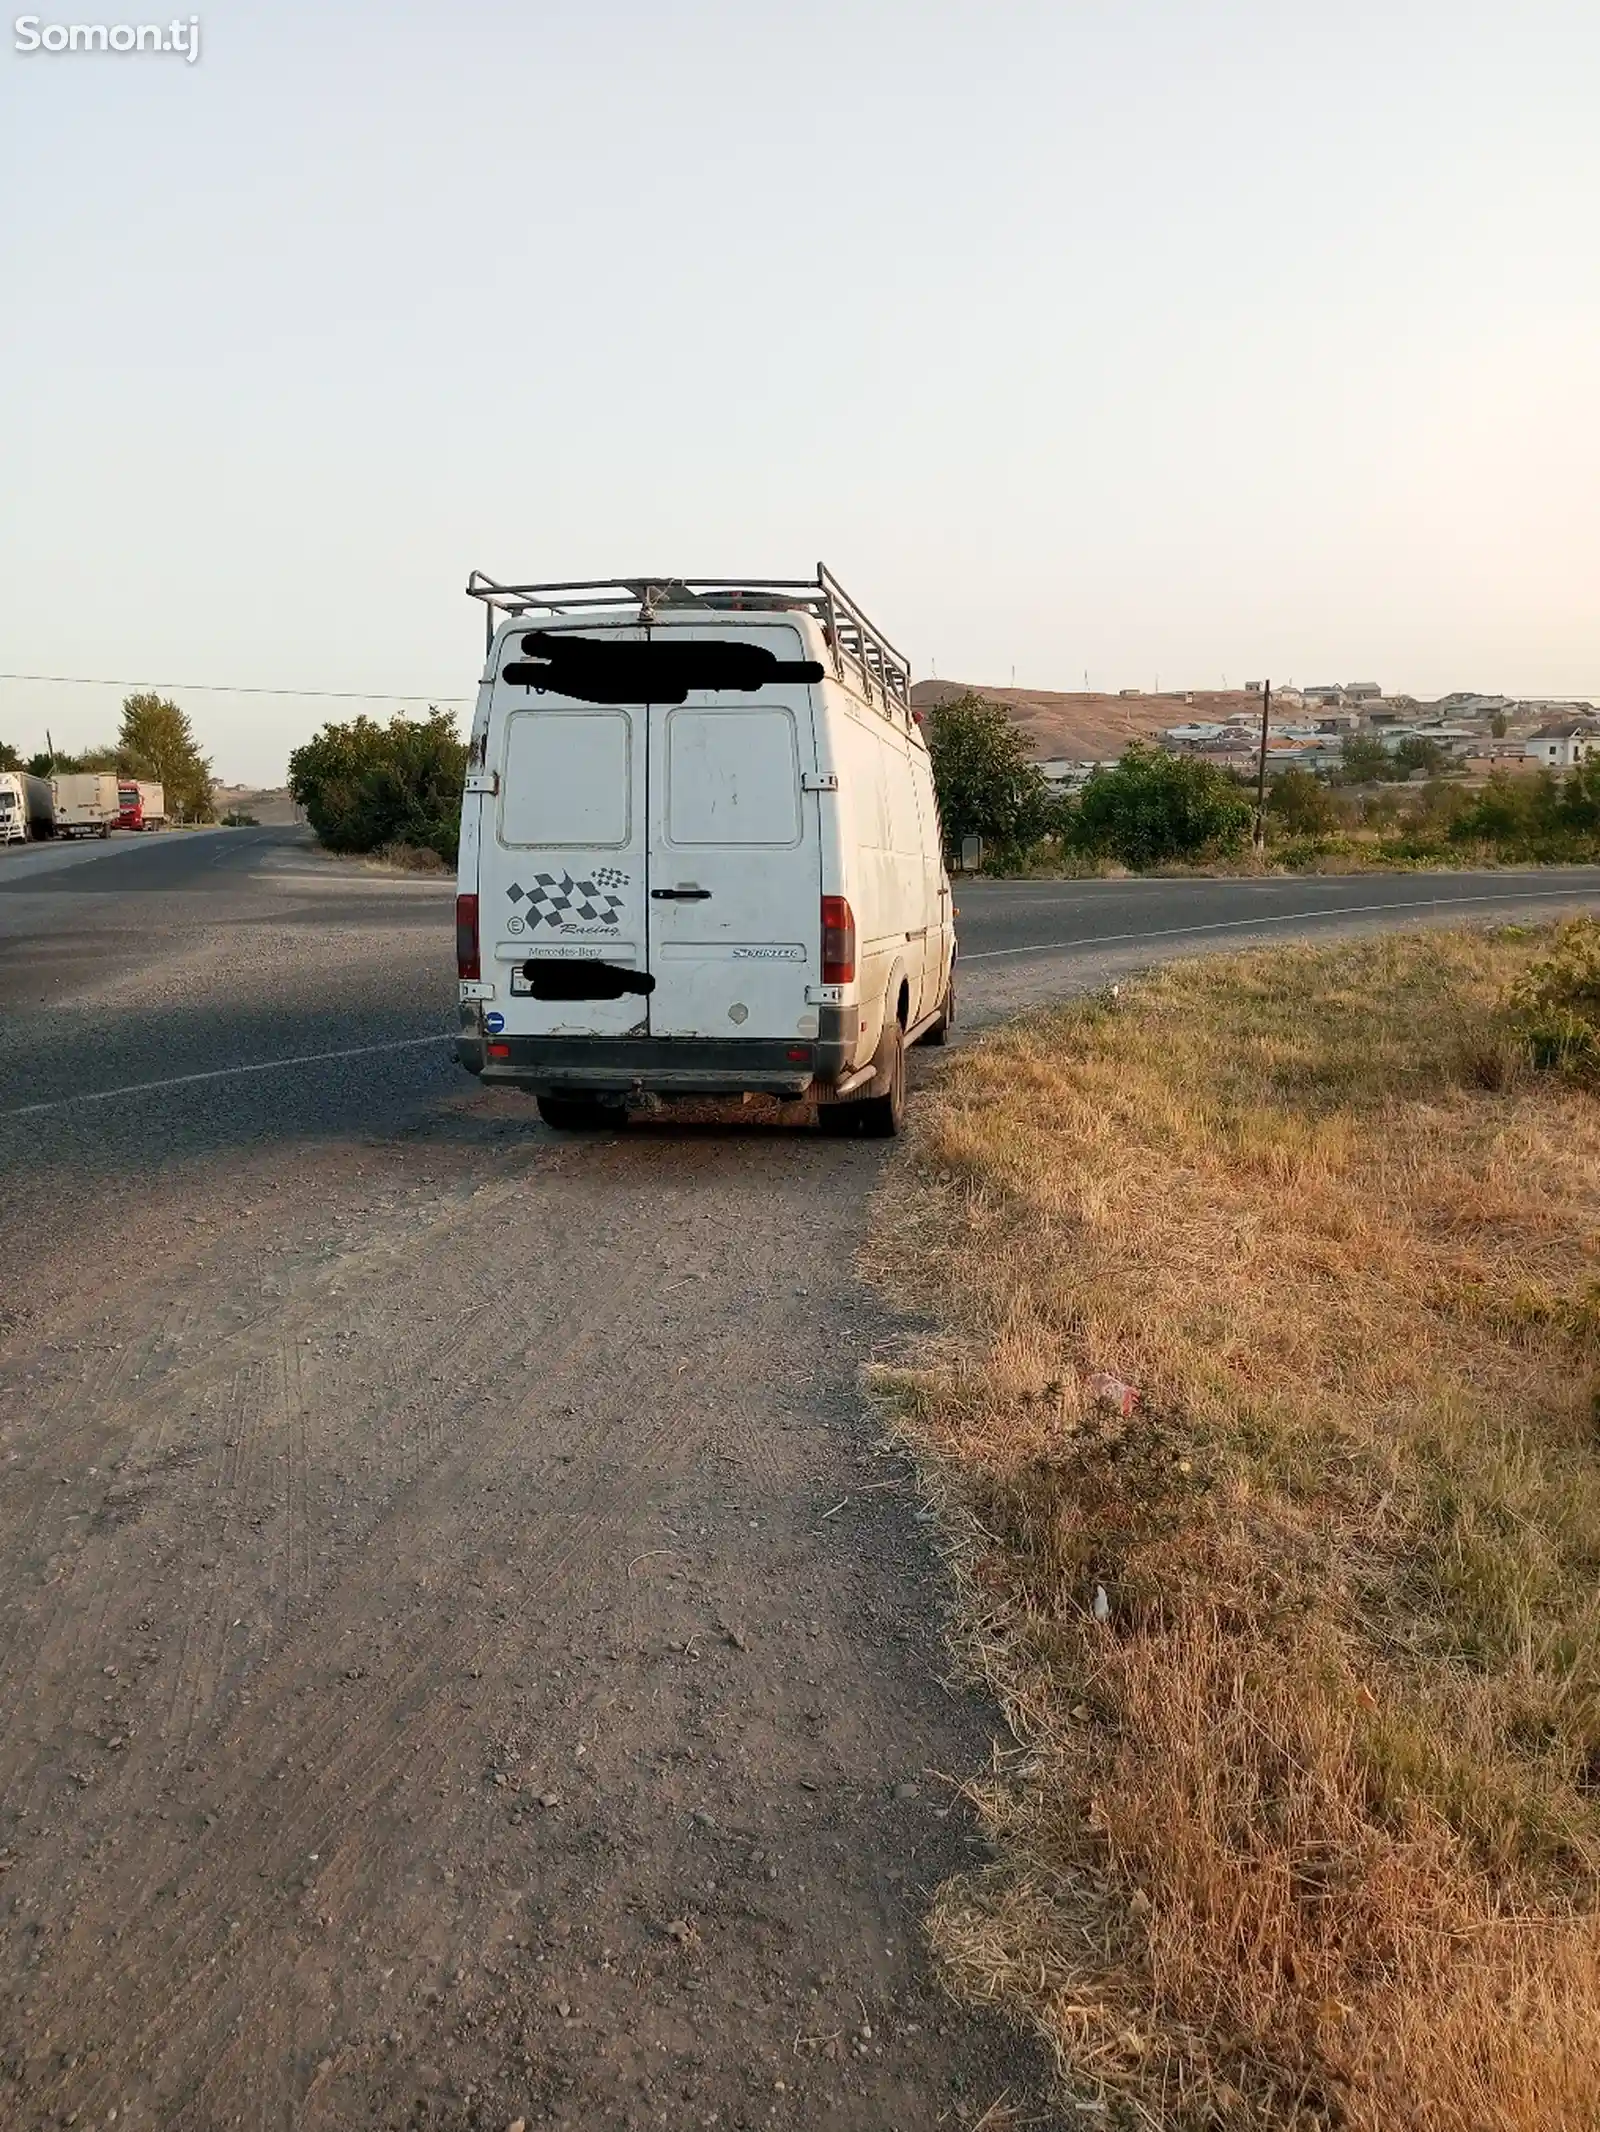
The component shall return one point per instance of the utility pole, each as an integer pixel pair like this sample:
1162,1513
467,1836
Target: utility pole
1260,837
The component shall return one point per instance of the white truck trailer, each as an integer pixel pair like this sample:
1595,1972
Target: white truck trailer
27,807
87,803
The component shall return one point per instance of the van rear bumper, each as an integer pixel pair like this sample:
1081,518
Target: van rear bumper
665,1065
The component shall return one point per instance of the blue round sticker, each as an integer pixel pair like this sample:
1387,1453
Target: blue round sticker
494,1023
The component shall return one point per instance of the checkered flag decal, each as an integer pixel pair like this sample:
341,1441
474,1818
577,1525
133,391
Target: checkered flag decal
554,899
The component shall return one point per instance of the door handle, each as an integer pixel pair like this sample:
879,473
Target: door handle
680,895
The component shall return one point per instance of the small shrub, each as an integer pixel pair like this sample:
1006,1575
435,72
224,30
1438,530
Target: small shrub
1557,1004
413,858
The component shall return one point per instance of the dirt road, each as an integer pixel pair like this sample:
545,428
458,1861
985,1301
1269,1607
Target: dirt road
465,1654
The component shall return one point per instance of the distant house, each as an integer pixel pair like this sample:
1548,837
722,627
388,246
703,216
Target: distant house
1362,692
1564,743
1063,774
1324,692
1462,703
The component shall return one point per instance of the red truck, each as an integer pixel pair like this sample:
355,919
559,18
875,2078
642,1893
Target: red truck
140,805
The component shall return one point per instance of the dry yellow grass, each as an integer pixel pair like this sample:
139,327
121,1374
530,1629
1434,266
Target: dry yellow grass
1307,1831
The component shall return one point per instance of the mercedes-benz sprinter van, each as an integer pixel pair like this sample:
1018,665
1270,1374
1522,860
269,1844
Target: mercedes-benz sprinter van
700,852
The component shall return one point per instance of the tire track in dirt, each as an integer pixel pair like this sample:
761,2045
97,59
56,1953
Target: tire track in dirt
367,1762
359,1753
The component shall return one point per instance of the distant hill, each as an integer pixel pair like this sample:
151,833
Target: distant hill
1091,727
271,806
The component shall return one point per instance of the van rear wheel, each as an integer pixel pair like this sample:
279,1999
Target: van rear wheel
579,1114
877,1117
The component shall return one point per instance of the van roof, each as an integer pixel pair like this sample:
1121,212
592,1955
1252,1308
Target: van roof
848,632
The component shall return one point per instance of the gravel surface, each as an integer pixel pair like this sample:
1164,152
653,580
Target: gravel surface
465,1653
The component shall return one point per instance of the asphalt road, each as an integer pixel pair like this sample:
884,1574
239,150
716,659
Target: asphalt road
465,1653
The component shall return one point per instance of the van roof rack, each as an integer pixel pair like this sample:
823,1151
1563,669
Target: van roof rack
849,633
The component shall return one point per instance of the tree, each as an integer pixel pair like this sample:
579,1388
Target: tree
9,758
1302,803
1363,760
1151,808
1497,724
986,785
157,741
1418,752
364,785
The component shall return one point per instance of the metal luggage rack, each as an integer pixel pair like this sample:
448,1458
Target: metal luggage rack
850,635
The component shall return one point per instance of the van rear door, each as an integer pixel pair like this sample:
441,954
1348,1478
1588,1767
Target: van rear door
735,902
561,879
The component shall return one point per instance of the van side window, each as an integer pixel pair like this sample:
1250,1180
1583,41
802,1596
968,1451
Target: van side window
567,780
733,777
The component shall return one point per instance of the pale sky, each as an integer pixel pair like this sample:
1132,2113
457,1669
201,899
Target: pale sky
1157,339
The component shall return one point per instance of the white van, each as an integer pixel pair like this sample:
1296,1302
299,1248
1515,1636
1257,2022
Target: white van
700,852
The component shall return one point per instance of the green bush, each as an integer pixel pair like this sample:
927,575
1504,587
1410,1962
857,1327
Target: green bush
365,785
1557,1005
1152,809
1302,804
1536,817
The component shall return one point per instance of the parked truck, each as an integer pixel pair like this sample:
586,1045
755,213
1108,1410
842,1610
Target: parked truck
140,805
27,807
87,803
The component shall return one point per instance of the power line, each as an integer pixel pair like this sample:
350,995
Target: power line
223,688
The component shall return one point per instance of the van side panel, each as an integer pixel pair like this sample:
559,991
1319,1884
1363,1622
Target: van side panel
862,813
878,799
936,902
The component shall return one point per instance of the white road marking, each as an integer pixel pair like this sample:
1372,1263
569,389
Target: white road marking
222,1073
1421,904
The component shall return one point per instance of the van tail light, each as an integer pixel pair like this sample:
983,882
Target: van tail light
467,960
838,942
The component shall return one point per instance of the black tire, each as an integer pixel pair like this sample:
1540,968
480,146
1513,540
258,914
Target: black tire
579,1114
939,1033
882,1116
